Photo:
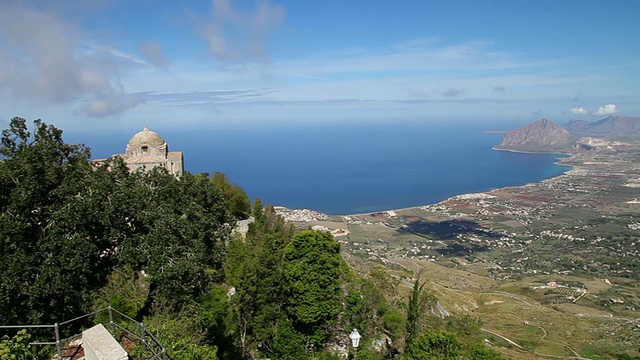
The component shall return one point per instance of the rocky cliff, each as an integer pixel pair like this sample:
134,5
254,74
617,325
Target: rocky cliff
540,136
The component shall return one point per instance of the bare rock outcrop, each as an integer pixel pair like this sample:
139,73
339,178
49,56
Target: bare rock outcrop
540,136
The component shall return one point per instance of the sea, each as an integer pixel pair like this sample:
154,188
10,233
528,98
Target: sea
346,167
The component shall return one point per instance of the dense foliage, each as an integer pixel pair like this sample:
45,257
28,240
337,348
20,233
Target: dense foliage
66,225
75,236
16,347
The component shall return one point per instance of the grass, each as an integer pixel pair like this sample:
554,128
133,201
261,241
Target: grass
507,306
597,352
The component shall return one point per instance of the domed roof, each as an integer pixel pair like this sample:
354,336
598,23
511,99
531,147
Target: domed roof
146,137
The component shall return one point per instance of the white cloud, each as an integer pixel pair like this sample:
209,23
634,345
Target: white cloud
153,52
234,36
579,110
38,59
112,104
606,110
45,57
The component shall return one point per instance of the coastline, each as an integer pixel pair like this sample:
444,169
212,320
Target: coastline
571,168
559,161
531,152
570,156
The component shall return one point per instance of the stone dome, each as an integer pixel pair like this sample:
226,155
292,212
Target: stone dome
147,150
146,137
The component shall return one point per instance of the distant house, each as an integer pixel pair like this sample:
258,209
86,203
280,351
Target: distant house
147,150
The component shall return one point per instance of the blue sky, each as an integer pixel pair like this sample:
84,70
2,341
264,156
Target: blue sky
120,63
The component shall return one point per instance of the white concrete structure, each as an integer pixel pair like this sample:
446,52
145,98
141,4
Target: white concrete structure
100,345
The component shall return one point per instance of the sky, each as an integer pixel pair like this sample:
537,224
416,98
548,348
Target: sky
109,64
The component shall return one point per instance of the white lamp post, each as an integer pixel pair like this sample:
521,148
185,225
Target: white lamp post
355,341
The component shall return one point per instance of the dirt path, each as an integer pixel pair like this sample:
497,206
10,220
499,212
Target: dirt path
577,356
544,331
503,337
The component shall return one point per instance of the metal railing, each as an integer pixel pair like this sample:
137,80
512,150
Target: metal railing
151,347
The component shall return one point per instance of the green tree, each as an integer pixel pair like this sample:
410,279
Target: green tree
481,352
215,311
16,347
414,311
254,268
53,252
180,238
237,200
289,343
312,269
257,211
364,307
183,336
66,224
434,344
241,275
394,322
126,291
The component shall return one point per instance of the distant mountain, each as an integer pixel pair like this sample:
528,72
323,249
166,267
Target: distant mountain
576,126
611,125
540,136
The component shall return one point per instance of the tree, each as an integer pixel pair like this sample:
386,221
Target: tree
254,268
418,303
126,291
181,229
434,344
16,347
182,335
66,224
364,307
312,267
237,200
51,254
258,214
215,312
289,343
481,352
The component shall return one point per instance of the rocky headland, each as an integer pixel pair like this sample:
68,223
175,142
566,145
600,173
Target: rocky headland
540,136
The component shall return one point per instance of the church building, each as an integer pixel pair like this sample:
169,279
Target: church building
147,150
